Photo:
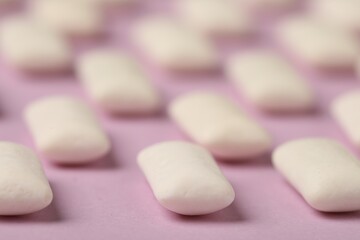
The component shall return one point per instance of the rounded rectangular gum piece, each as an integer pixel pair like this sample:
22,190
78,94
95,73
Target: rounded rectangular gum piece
324,172
185,178
344,14
216,123
270,82
174,46
215,17
72,18
117,83
43,51
318,44
24,187
345,110
66,131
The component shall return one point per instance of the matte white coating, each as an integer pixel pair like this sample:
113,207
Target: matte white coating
219,125
185,178
345,110
66,131
318,44
29,46
73,18
24,187
216,17
117,83
325,173
270,82
344,13
174,46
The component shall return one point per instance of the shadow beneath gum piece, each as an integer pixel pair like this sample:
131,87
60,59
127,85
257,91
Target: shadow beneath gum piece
107,162
226,215
263,161
339,215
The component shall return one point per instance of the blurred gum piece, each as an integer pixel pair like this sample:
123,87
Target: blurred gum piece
173,46
24,187
77,18
323,171
270,82
318,44
215,17
31,47
219,125
345,109
185,178
117,83
341,13
66,131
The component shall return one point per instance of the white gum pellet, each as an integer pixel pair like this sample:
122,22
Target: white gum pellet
117,83
185,178
215,17
173,46
270,82
219,125
76,18
345,110
66,131
24,187
324,172
318,44
31,47
344,13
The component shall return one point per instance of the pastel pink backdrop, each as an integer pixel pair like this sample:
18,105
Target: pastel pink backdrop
111,200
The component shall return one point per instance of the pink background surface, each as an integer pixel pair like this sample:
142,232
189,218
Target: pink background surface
111,199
